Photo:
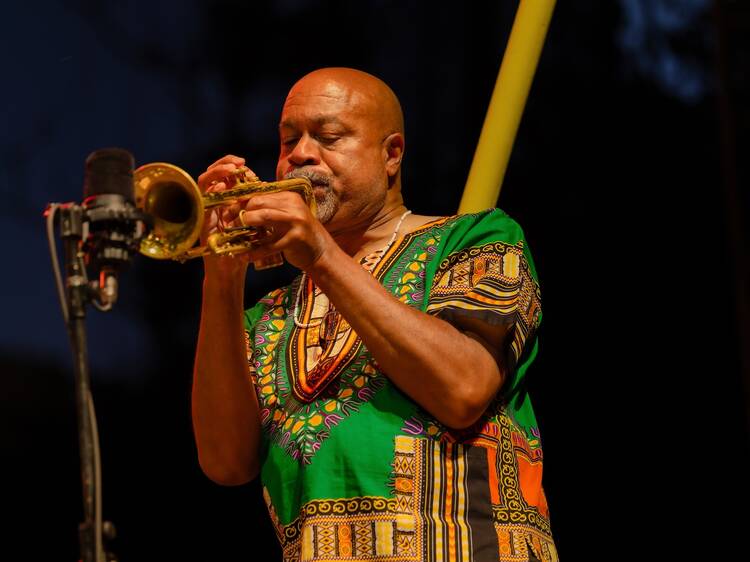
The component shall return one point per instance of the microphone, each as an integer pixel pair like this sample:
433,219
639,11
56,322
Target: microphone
115,225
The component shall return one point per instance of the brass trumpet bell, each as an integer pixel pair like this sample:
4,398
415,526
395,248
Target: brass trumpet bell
174,201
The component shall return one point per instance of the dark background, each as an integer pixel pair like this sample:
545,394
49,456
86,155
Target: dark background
629,176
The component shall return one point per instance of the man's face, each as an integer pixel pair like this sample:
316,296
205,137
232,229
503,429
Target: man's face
330,134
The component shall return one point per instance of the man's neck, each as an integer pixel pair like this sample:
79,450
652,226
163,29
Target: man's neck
370,234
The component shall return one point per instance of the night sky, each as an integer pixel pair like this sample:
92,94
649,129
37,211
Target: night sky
626,176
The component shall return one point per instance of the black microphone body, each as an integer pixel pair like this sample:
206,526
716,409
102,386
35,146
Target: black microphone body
115,225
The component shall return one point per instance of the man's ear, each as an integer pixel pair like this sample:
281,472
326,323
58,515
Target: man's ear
393,152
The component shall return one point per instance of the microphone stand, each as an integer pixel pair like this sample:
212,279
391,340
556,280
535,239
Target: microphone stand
103,232
78,293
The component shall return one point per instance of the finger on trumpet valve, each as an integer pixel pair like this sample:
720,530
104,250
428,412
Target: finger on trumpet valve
256,236
262,236
217,218
226,218
245,173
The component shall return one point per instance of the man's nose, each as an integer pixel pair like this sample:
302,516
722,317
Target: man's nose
305,152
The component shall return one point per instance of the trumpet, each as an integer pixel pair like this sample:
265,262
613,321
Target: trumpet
174,201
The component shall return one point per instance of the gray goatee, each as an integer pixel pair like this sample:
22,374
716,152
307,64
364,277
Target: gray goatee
326,202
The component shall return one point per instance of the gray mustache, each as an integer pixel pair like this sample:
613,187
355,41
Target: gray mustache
316,178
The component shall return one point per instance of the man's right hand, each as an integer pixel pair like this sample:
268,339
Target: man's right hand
220,176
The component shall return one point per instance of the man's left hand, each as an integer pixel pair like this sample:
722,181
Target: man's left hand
295,231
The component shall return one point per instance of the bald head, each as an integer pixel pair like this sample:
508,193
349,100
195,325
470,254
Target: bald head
363,92
343,130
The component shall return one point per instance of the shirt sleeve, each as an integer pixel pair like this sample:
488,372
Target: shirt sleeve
485,271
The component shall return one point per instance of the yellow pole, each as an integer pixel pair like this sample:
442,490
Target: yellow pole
506,105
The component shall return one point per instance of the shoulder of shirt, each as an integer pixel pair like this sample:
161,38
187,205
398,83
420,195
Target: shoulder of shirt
487,216
492,219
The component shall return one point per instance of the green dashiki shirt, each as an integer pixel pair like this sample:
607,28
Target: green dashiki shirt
352,468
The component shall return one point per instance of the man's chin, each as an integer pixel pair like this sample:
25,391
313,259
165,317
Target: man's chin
326,208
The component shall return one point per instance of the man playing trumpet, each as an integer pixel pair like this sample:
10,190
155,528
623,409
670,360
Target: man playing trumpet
379,396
